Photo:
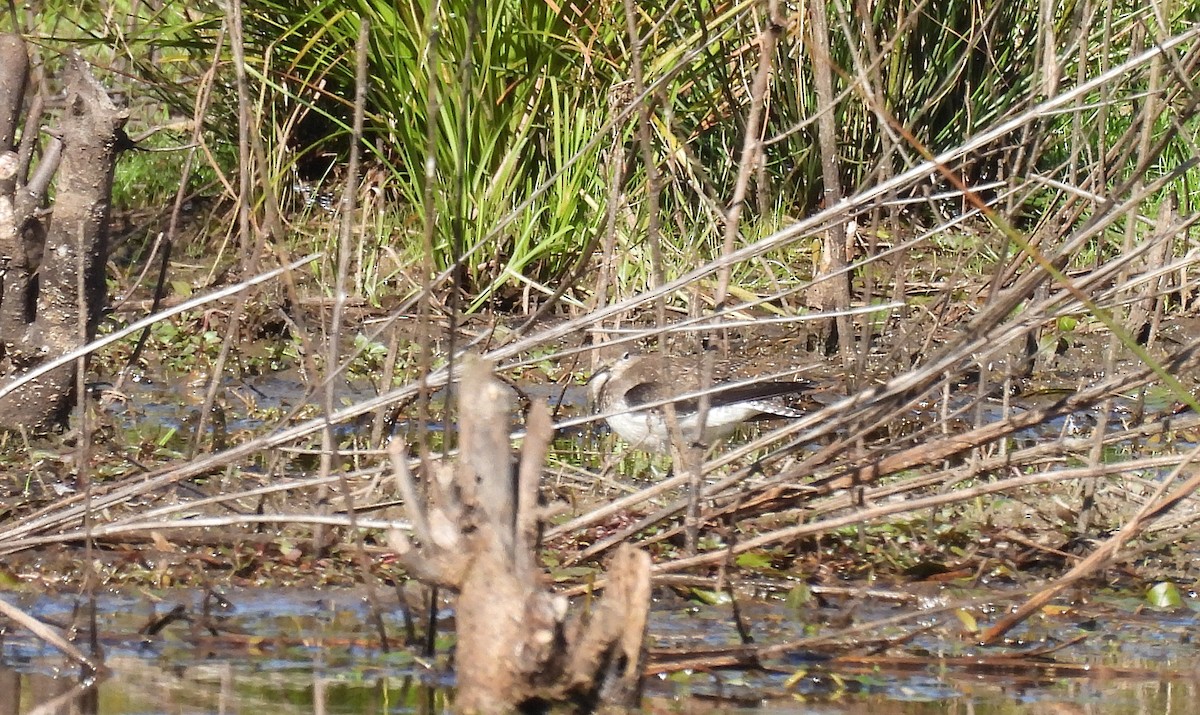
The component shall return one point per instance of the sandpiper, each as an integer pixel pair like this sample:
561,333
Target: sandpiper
633,390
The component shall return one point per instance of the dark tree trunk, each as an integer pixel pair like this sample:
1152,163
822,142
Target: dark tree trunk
52,287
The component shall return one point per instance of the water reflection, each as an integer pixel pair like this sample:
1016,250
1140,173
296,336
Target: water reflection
36,694
140,687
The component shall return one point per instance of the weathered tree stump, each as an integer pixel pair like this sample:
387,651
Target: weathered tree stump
517,647
52,287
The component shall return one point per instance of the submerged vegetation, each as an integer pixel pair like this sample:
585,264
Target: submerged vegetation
973,225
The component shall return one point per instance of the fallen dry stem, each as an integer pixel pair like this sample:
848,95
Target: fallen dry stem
863,513
1155,507
870,514
48,635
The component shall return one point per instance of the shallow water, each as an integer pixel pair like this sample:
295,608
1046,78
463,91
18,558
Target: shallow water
310,651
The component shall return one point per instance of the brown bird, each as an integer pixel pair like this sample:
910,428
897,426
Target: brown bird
635,388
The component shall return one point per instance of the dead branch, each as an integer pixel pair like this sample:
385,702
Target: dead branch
53,280
476,534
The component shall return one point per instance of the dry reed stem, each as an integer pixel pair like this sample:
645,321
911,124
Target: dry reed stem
993,315
49,635
1156,506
